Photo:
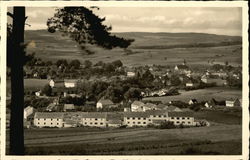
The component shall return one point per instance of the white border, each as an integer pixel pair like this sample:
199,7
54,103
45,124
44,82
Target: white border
245,88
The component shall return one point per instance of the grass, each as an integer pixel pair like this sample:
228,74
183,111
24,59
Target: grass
201,95
206,140
144,49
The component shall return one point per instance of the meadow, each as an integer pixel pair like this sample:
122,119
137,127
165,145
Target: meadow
224,136
147,49
218,93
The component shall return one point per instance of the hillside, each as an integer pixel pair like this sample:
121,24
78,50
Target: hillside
148,48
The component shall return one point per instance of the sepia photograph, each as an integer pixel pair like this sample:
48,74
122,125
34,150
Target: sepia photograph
125,80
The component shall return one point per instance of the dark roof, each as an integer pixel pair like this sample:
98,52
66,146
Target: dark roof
94,114
52,115
182,66
136,114
180,114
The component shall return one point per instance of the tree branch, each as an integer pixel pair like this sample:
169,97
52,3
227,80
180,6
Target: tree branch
10,14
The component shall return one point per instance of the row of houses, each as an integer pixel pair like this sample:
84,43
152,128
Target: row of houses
111,119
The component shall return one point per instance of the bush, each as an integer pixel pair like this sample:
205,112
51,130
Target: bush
167,125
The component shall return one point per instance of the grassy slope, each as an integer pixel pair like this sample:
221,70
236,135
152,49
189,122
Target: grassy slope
55,46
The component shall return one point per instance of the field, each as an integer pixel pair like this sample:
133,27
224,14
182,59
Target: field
201,95
222,137
148,48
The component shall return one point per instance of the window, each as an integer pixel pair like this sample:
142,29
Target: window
165,116
45,119
133,117
38,123
159,116
38,119
44,123
96,123
57,119
144,118
133,122
154,116
51,119
85,123
183,117
187,117
128,118
57,123
90,123
51,123
139,122
139,118
172,117
96,119
149,119
144,122
128,122
101,123
177,118
177,122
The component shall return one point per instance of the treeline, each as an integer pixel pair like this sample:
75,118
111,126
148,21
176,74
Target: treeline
191,45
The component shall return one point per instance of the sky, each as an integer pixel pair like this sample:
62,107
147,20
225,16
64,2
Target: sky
215,20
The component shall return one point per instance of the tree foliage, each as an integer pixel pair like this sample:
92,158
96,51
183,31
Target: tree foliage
83,26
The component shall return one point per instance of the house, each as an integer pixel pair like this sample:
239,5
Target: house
183,68
136,119
192,101
210,104
68,107
191,84
114,119
137,106
51,107
213,79
56,83
104,103
27,111
48,119
38,93
233,103
130,74
94,119
70,83
127,109
172,108
184,118
149,106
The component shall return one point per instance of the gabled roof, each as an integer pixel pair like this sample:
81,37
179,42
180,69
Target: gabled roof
52,115
150,105
94,114
70,80
138,103
136,114
180,114
181,66
27,108
105,102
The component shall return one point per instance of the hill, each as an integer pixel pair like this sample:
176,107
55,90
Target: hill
148,48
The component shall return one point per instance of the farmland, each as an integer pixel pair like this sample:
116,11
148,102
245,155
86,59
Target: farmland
222,137
201,95
148,48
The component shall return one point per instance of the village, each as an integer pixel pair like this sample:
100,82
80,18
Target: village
119,99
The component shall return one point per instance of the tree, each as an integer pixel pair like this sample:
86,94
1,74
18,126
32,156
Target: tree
16,59
133,93
87,63
47,90
117,63
75,63
80,23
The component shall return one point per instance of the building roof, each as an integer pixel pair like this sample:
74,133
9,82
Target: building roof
138,103
161,106
70,80
68,106
53,115
232,100
105,102
182,66
193,100
94,114
150,105
114,116
27,108
180,114
136,114
173,108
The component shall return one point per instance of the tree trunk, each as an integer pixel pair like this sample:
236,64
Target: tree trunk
17,86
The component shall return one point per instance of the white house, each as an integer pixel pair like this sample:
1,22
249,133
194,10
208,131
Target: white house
38,93
104,103
94,119
192,101
130,74
27,111
70,83
68,107
137,106
233,103
48,119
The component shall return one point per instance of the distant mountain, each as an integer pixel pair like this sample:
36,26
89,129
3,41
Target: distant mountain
56,46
